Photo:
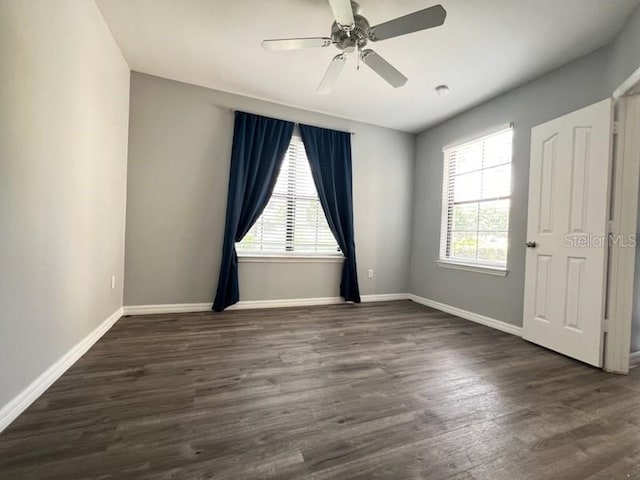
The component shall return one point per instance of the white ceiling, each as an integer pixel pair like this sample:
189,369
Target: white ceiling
484,48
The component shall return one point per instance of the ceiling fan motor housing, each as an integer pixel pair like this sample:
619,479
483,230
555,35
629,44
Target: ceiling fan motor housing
349,40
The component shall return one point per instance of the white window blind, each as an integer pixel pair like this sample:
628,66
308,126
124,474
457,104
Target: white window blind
293,221
476,201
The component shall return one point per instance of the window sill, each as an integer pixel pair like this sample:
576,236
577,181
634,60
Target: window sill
473,267
290,258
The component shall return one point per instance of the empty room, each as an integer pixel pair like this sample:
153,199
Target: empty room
319,239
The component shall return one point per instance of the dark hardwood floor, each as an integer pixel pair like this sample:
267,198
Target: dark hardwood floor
391,391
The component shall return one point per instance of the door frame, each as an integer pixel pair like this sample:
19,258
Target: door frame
623,224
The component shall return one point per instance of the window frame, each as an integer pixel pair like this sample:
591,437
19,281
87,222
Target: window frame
478,266
289,255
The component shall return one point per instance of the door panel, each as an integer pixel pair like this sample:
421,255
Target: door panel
579,179
568,206
542,287
545,222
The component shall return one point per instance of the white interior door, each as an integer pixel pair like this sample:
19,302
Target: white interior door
565,279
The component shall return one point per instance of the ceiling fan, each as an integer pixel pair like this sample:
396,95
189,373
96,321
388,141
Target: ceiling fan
351,31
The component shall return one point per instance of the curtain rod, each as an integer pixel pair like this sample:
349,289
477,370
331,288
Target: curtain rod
233,110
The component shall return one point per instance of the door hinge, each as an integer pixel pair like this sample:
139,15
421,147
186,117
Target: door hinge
605,325
616,127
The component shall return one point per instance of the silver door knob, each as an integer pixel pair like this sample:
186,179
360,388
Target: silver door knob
531,244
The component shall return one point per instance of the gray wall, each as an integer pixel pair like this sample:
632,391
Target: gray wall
64,89
568,88
625,53
179,150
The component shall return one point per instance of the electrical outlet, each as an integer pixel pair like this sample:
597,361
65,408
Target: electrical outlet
113,282
370,273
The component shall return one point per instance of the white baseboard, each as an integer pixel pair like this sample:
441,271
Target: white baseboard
467,315
251,304
384,297
286,302
242,305
19,404
166,308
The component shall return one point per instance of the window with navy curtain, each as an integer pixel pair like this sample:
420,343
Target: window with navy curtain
329,154
259,146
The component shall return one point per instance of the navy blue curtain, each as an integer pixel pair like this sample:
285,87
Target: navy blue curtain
329,154
259,146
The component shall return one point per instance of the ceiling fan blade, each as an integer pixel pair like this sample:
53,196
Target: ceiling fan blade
343,12
332,74
414,22
295,43
383,68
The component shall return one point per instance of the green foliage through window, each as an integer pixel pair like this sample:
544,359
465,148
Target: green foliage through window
477,200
